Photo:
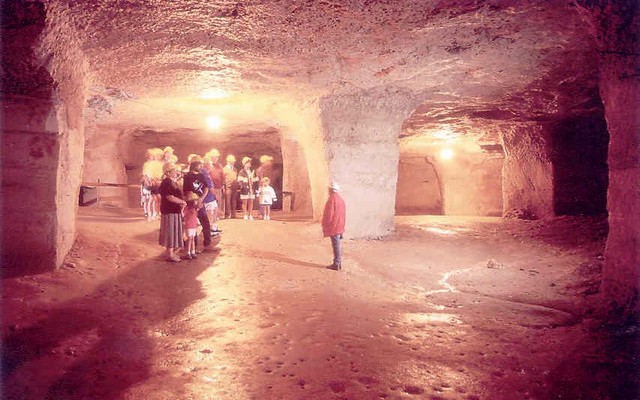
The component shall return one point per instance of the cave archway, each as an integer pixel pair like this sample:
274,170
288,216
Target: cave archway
419,189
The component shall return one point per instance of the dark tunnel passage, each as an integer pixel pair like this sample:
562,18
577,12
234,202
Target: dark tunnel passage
580,172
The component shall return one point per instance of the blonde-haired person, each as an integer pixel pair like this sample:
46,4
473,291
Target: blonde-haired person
266,197
230,187
152,172
168,155
247,180
171,204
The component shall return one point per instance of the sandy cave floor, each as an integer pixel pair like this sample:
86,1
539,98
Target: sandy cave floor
445,308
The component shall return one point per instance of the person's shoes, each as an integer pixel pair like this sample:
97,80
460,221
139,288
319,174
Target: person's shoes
334,267
193,256
251,217
245,217
173,258
187,256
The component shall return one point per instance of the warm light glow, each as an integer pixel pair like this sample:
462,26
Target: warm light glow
214,122
439,231
446,154
433,318
210,94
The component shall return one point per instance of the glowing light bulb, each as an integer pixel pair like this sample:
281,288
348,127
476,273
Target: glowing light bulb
214,122
446,154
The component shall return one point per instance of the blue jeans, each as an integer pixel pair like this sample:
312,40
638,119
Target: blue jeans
337,249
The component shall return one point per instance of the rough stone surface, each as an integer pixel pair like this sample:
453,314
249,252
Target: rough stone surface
43,108
527,180
361,133
419,188
617,27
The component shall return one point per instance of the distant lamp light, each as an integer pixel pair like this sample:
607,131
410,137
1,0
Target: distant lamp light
212,94
446,154
214,122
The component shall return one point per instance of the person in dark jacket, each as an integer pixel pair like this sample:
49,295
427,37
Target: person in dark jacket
195,182
333,221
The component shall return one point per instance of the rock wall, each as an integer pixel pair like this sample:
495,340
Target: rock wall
305,168
296,176
103,162
472,184
361,143
527,172
616,25
43,92
419,188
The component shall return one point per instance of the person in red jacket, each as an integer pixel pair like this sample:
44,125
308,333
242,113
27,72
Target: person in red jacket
333,219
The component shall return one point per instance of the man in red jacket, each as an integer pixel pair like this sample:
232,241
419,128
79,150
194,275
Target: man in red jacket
333,218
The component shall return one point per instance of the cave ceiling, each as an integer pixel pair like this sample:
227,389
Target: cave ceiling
164,61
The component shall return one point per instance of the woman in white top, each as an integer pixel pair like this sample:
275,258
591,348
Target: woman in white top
247,180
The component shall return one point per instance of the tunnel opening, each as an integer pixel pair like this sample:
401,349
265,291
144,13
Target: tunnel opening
449,169
579,147
125,166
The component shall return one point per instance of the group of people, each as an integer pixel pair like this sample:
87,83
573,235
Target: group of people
184,195
200,191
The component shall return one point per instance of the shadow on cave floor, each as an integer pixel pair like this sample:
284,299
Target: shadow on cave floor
86,330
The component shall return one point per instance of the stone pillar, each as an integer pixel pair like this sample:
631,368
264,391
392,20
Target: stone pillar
361,143
295,177
103,161
616,25
303,157
527,173
42,136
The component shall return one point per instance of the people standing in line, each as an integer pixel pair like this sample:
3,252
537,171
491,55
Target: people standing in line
153,170
195,182
333,221
265,170
171,204
247,180
145,185
266,197
217,179
230,187
190,216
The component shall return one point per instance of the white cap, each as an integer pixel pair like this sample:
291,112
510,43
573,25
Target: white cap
334,186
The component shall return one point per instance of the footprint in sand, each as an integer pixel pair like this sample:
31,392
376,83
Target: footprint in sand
338,386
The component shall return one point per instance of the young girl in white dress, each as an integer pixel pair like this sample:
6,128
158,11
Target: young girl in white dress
266,196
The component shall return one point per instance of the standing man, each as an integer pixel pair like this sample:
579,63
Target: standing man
230,187
333,220
195,182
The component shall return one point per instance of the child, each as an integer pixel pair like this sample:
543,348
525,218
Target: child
190,216
267,196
